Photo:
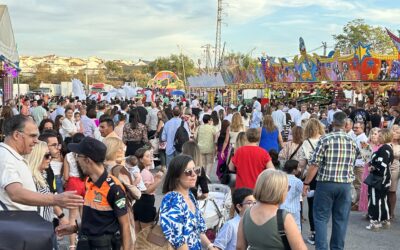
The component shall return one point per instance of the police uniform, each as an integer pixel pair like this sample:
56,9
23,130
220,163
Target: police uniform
104,203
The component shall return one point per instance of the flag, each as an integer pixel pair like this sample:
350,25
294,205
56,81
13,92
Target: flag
395,39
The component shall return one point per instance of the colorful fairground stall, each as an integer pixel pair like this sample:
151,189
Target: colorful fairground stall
9,58
310,77
166,81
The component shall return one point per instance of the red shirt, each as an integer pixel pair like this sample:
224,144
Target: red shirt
249,161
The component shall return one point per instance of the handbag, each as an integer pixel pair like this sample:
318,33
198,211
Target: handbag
374,181
24,230
132,192
152,237
281,229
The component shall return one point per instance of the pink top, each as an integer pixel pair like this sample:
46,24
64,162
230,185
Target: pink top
147,178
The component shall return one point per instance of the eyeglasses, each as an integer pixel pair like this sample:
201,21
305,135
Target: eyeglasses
249,203
190,172
55,145
47,156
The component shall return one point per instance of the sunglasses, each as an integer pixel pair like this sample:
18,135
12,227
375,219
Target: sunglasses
190,172
47,156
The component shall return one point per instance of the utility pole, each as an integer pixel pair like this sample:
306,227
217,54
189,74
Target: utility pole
207,52
218,36
325,47
183,65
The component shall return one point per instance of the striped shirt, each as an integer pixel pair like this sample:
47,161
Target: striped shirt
335,156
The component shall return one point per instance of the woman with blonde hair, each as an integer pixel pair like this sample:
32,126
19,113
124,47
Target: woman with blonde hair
255,229
38,161
236,127
270,136
311,134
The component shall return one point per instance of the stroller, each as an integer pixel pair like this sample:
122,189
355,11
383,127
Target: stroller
216,207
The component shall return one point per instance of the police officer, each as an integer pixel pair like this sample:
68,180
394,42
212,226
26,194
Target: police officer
104,216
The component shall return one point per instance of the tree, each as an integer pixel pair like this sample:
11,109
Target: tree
61,76
174,64
138,76
43,73
358,31
113,69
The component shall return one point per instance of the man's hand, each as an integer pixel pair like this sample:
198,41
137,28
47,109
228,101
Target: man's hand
68,199
65,229
306,189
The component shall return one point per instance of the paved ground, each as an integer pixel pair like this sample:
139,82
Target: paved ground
357,238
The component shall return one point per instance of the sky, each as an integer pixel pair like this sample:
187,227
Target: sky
147,29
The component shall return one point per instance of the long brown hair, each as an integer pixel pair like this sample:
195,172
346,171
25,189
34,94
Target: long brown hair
269,124
297,133
313,128
237,122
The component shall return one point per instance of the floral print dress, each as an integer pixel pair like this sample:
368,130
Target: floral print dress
178,222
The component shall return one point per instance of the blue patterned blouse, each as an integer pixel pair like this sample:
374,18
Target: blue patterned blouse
178,222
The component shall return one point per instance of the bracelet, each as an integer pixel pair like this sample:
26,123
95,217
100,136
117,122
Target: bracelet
210,246
61,216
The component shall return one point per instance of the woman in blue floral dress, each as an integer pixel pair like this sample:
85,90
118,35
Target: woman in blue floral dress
180,216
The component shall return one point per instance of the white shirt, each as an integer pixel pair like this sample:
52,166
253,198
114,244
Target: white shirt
331,112
279,119
73,166
229,118
195,103
352,135
68,128
149,95
295,115
152,119
257,105
14,169
218,108
359,139
305,116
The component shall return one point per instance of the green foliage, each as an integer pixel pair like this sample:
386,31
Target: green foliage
174,64
113,69
242,60
358,31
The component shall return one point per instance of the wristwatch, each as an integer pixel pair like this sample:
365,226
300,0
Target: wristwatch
61,216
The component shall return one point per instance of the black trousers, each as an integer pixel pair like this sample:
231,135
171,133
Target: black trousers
310,201
378,206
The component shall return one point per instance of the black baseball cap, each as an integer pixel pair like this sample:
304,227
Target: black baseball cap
91,148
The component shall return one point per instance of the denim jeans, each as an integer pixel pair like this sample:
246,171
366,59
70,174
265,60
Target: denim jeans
170,157
59,184
331,199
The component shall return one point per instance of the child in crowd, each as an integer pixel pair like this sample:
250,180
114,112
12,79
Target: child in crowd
295,189
242,199
132,165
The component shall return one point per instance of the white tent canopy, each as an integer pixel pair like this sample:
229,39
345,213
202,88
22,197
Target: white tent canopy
207,81
8,47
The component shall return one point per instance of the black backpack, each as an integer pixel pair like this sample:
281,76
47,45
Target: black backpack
181,136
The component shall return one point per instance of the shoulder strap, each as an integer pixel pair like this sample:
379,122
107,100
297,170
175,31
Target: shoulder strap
281,229
3,206
312,146
297,149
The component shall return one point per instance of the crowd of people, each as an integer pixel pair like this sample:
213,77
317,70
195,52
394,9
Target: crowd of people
105,163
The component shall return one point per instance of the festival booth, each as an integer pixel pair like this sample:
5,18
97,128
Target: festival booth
9,58
310,77
206,86
240,75
166,81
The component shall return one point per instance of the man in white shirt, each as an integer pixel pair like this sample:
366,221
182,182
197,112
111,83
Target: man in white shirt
361,141
17,188
279,117
149,96
256,104
331,112
152,120
348,128
229,115
206,111
60,110
304,113
294,113
218,107
196,108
